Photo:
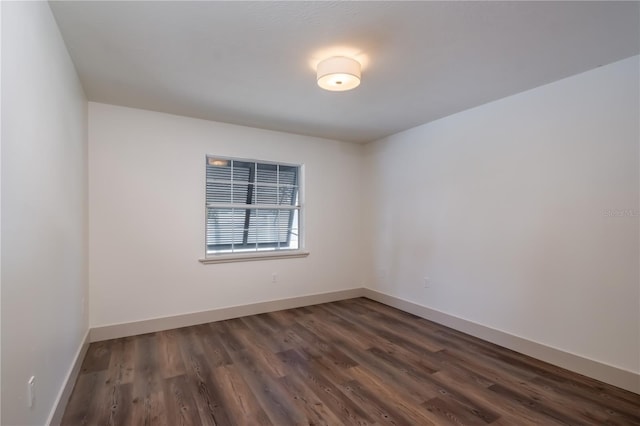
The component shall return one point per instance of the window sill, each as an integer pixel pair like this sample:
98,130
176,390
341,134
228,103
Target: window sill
249,257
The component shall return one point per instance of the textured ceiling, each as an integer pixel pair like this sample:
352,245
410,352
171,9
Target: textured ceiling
251,63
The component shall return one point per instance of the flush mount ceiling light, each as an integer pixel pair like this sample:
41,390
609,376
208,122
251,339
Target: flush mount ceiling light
338,74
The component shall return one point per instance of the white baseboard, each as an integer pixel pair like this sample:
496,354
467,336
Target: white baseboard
606,373
55,417
167,323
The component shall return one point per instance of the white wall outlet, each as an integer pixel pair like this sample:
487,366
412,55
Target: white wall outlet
427,282
274,278
31,391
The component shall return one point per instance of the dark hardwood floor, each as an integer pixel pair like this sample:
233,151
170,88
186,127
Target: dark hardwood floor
353,362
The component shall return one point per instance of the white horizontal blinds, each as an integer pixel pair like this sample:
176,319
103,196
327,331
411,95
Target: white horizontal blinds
288,193
223,222
251,206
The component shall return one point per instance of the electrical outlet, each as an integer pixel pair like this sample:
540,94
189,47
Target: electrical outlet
427,283
274,278
31,391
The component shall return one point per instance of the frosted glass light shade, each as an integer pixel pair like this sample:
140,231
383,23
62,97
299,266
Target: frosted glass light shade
338,74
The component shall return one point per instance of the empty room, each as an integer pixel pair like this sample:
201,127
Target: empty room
320,213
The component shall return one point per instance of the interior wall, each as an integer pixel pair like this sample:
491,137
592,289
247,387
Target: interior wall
523,214
0,214
44,212
146,204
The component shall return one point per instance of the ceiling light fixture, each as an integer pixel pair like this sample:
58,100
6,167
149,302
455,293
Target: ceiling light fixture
338,74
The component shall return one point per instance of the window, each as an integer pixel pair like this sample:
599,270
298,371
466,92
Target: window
251,206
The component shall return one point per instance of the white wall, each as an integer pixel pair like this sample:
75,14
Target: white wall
507,209
0,214
44,268
146,204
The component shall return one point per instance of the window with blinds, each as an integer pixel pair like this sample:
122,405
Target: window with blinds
251,206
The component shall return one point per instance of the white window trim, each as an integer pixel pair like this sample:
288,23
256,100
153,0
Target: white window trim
271,254
248,257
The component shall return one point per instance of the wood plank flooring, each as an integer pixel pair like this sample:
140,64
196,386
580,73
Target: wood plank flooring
354,362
